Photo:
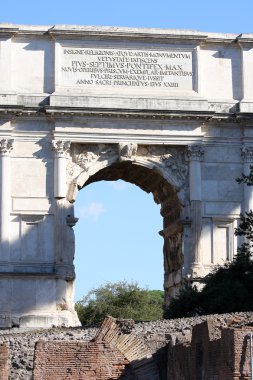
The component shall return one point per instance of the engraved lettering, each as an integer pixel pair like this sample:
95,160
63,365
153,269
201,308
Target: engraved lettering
114,68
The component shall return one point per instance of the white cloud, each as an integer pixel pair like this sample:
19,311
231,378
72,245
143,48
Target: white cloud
119,185
91,211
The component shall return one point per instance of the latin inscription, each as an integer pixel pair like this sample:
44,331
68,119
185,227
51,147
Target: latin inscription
127,68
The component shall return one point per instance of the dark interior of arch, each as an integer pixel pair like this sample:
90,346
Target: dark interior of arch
149,180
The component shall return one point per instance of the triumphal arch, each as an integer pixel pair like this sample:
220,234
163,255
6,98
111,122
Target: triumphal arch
169,111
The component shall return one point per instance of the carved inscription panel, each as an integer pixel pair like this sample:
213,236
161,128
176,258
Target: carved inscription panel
127,70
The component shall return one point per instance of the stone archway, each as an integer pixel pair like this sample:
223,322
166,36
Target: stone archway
159,170
177,108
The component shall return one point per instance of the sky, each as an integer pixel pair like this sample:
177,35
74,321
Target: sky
227,16
117,233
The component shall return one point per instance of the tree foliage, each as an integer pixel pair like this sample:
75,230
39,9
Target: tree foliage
229,287
120,300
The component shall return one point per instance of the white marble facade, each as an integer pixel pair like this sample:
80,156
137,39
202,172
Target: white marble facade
78,104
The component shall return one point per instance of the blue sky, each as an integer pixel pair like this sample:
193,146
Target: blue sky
220,16
117,234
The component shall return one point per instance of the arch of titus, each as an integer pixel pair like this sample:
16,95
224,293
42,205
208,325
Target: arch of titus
169,111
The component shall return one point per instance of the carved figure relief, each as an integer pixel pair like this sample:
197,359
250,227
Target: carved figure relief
127,151
87,154
173,255
170,161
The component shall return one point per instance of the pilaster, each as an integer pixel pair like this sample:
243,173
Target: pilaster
246,42
6,145
247,155
61,149
195,154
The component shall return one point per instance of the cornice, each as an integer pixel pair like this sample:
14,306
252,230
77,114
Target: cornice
245,40
8,31
115,33
128,113
172,36
51,113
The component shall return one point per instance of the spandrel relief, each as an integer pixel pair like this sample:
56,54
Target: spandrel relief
87,159
85,155
170,160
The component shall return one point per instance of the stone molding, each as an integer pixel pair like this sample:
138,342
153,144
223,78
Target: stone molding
61,148
6,146
195,152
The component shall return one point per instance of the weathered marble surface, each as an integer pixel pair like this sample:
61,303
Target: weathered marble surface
170,111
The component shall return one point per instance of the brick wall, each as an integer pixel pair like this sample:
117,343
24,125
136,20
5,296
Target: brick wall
222,356
79,361
4,365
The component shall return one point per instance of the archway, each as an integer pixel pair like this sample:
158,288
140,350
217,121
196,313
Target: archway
161,171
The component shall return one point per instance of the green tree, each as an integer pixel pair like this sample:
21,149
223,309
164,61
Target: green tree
120,300
228,289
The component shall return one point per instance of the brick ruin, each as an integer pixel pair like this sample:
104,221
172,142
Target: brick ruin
115,353
213,353
216,348
4,365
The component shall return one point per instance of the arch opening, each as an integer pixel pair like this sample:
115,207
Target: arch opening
117,237
151,180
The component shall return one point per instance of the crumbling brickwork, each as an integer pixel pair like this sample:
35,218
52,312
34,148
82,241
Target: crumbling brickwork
79,360
4,366
222,354
115,353
216,350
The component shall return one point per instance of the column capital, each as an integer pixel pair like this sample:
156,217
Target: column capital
195,152
247,153
6,146
61,148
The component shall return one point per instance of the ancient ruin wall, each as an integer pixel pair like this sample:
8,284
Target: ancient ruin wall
154,335
79,360
4,362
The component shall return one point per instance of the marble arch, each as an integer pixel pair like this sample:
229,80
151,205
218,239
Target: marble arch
168,110
162,171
